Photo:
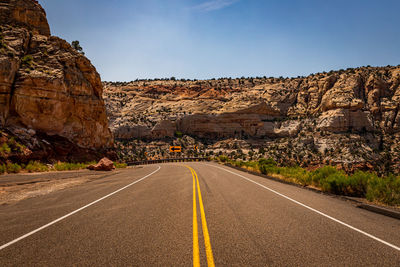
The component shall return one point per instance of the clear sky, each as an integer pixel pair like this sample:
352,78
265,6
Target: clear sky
129,39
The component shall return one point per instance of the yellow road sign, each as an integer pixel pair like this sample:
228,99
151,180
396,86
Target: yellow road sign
196,147
175,149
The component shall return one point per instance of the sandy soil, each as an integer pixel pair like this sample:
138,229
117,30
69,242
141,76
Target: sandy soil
14,188
15,193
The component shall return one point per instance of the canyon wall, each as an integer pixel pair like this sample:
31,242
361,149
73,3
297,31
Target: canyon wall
46,86
348,117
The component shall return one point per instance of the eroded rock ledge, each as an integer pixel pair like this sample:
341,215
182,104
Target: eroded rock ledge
348,117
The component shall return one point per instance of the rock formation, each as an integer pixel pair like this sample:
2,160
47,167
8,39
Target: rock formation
346,117
24,14
46,86
104,164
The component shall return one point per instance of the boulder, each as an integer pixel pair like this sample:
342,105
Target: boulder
103,165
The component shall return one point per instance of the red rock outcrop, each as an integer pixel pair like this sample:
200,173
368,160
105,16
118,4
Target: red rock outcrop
45,84
26,14
104,164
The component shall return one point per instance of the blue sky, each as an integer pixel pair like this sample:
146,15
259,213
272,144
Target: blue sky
129,39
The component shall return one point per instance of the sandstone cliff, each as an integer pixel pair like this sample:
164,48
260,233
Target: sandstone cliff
46,87
347,117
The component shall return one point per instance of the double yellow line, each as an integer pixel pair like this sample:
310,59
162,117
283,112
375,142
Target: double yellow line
207,244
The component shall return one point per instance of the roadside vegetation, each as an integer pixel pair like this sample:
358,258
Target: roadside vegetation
66,166
363,184
119,165
36,166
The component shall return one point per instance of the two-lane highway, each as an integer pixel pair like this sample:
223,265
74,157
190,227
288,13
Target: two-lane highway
193,214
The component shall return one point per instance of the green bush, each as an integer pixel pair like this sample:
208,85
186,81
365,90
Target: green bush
267,166
5,149
359,182
385,190
27,60
3,168
35,166
13,168
321,174
65,166
178,134
120,165
269,161
334,183
264,169
250,164
297,174
223,158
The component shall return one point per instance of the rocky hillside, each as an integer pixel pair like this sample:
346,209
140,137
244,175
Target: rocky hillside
48,91
348,118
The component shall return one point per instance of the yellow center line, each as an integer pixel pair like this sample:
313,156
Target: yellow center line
196,253
207,243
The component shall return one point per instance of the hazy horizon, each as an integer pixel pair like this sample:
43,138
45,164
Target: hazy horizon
193,39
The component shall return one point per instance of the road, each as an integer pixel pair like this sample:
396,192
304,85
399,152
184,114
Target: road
183,214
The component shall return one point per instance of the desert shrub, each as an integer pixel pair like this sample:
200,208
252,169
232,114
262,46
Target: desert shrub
120,165
35,166
358,183
265,169
66,166
2,168
385,190
269,161
240,163
223,158
27,60
321,174
4,149
335,182
250,164
332,180
178,134
296,173
267,166
13,168
14,145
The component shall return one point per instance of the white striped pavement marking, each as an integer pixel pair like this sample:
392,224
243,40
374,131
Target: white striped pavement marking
75,211
312,209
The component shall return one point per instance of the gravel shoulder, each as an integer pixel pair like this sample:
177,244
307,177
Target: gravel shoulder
16,187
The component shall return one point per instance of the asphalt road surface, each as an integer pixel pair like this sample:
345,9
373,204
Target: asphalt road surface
185,214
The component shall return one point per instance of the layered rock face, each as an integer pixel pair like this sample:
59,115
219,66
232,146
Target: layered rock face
25,14
349,117
45,85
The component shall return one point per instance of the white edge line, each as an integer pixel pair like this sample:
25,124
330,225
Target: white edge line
75,211
312,209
